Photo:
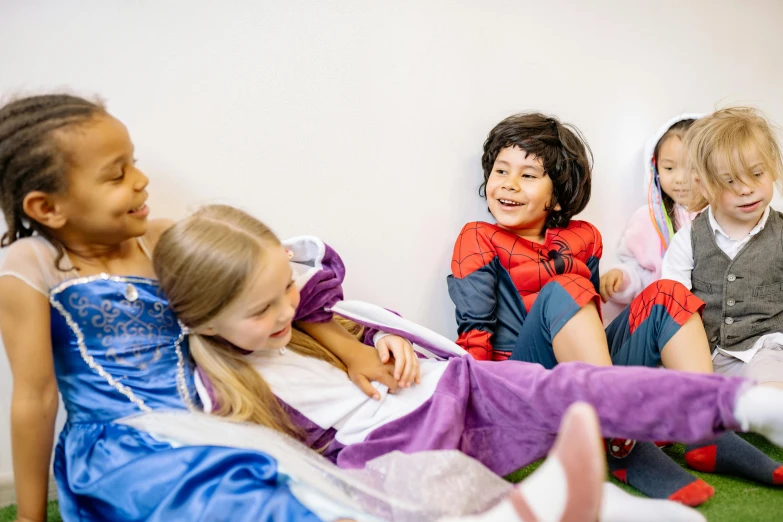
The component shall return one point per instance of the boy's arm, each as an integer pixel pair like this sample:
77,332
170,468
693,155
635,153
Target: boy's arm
24,323
595,256
473,289
678,261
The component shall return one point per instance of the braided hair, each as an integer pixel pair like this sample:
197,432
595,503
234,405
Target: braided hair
32,159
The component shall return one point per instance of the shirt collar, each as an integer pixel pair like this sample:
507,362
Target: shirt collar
758,228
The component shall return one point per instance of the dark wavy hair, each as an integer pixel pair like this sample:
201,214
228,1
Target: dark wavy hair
565,155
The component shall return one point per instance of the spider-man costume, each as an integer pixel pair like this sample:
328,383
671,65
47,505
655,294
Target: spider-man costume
512,296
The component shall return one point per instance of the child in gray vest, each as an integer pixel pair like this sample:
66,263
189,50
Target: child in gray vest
731,256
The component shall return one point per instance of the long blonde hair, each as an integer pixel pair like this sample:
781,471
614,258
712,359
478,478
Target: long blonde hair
724,138
204,263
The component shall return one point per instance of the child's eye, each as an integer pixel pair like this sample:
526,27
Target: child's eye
758,174
260,312
290,285
529,176
500,171
729,181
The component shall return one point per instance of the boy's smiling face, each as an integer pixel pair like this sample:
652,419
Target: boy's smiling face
519,193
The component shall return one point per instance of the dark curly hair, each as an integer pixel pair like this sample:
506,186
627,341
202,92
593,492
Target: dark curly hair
31,158
565,155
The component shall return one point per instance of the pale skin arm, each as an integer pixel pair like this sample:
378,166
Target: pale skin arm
364,363
24,323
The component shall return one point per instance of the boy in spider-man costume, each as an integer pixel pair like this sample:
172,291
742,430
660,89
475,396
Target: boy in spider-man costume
526,288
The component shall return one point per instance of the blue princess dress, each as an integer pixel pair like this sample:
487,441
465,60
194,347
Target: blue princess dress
122,366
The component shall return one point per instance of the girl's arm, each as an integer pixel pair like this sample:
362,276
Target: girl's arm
24,323
361,361
639,257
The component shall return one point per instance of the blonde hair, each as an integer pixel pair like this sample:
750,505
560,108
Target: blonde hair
204,263
724,138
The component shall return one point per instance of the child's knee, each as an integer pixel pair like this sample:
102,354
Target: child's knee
680,302
576,287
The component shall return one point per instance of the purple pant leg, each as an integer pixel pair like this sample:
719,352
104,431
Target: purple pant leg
506,414
638,403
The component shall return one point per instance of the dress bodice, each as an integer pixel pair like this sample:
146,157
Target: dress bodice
118,349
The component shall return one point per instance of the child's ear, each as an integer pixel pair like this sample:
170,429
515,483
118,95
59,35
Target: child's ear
557,207
44,209
207,331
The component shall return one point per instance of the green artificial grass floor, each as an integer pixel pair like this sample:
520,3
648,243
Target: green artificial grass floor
735,499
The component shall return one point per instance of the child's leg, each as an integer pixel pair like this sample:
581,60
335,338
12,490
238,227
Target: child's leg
571,314
766,367
583,339
568,485
729,453
648,331
563,325
661,326
658,326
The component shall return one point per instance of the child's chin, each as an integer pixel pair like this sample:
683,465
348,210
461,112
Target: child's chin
279,342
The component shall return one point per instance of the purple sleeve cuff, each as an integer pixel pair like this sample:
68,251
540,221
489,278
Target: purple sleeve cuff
323,290
369,332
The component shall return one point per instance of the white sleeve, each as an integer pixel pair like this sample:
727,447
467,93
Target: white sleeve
31,260
678,260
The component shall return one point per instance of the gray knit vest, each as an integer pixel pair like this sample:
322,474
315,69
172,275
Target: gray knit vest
744,296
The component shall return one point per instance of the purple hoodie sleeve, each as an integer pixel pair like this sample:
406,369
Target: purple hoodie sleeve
323,290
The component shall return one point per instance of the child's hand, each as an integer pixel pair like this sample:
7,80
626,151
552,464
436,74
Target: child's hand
610,283
364,366
406,364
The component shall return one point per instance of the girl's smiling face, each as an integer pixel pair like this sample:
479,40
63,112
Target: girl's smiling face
260,318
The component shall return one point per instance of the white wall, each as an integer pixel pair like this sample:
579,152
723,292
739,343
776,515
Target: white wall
363,121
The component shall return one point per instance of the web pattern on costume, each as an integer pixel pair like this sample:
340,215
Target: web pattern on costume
531,265
678,301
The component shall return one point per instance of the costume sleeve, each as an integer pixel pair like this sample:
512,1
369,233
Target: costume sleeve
473,289
32,260
594,259
318,273
371,336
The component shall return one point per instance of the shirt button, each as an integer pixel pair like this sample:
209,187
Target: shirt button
731,277
729,320
731,302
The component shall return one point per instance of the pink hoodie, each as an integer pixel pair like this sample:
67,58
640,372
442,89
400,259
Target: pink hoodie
640,251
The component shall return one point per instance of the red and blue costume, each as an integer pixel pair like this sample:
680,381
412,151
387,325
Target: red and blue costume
512,296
